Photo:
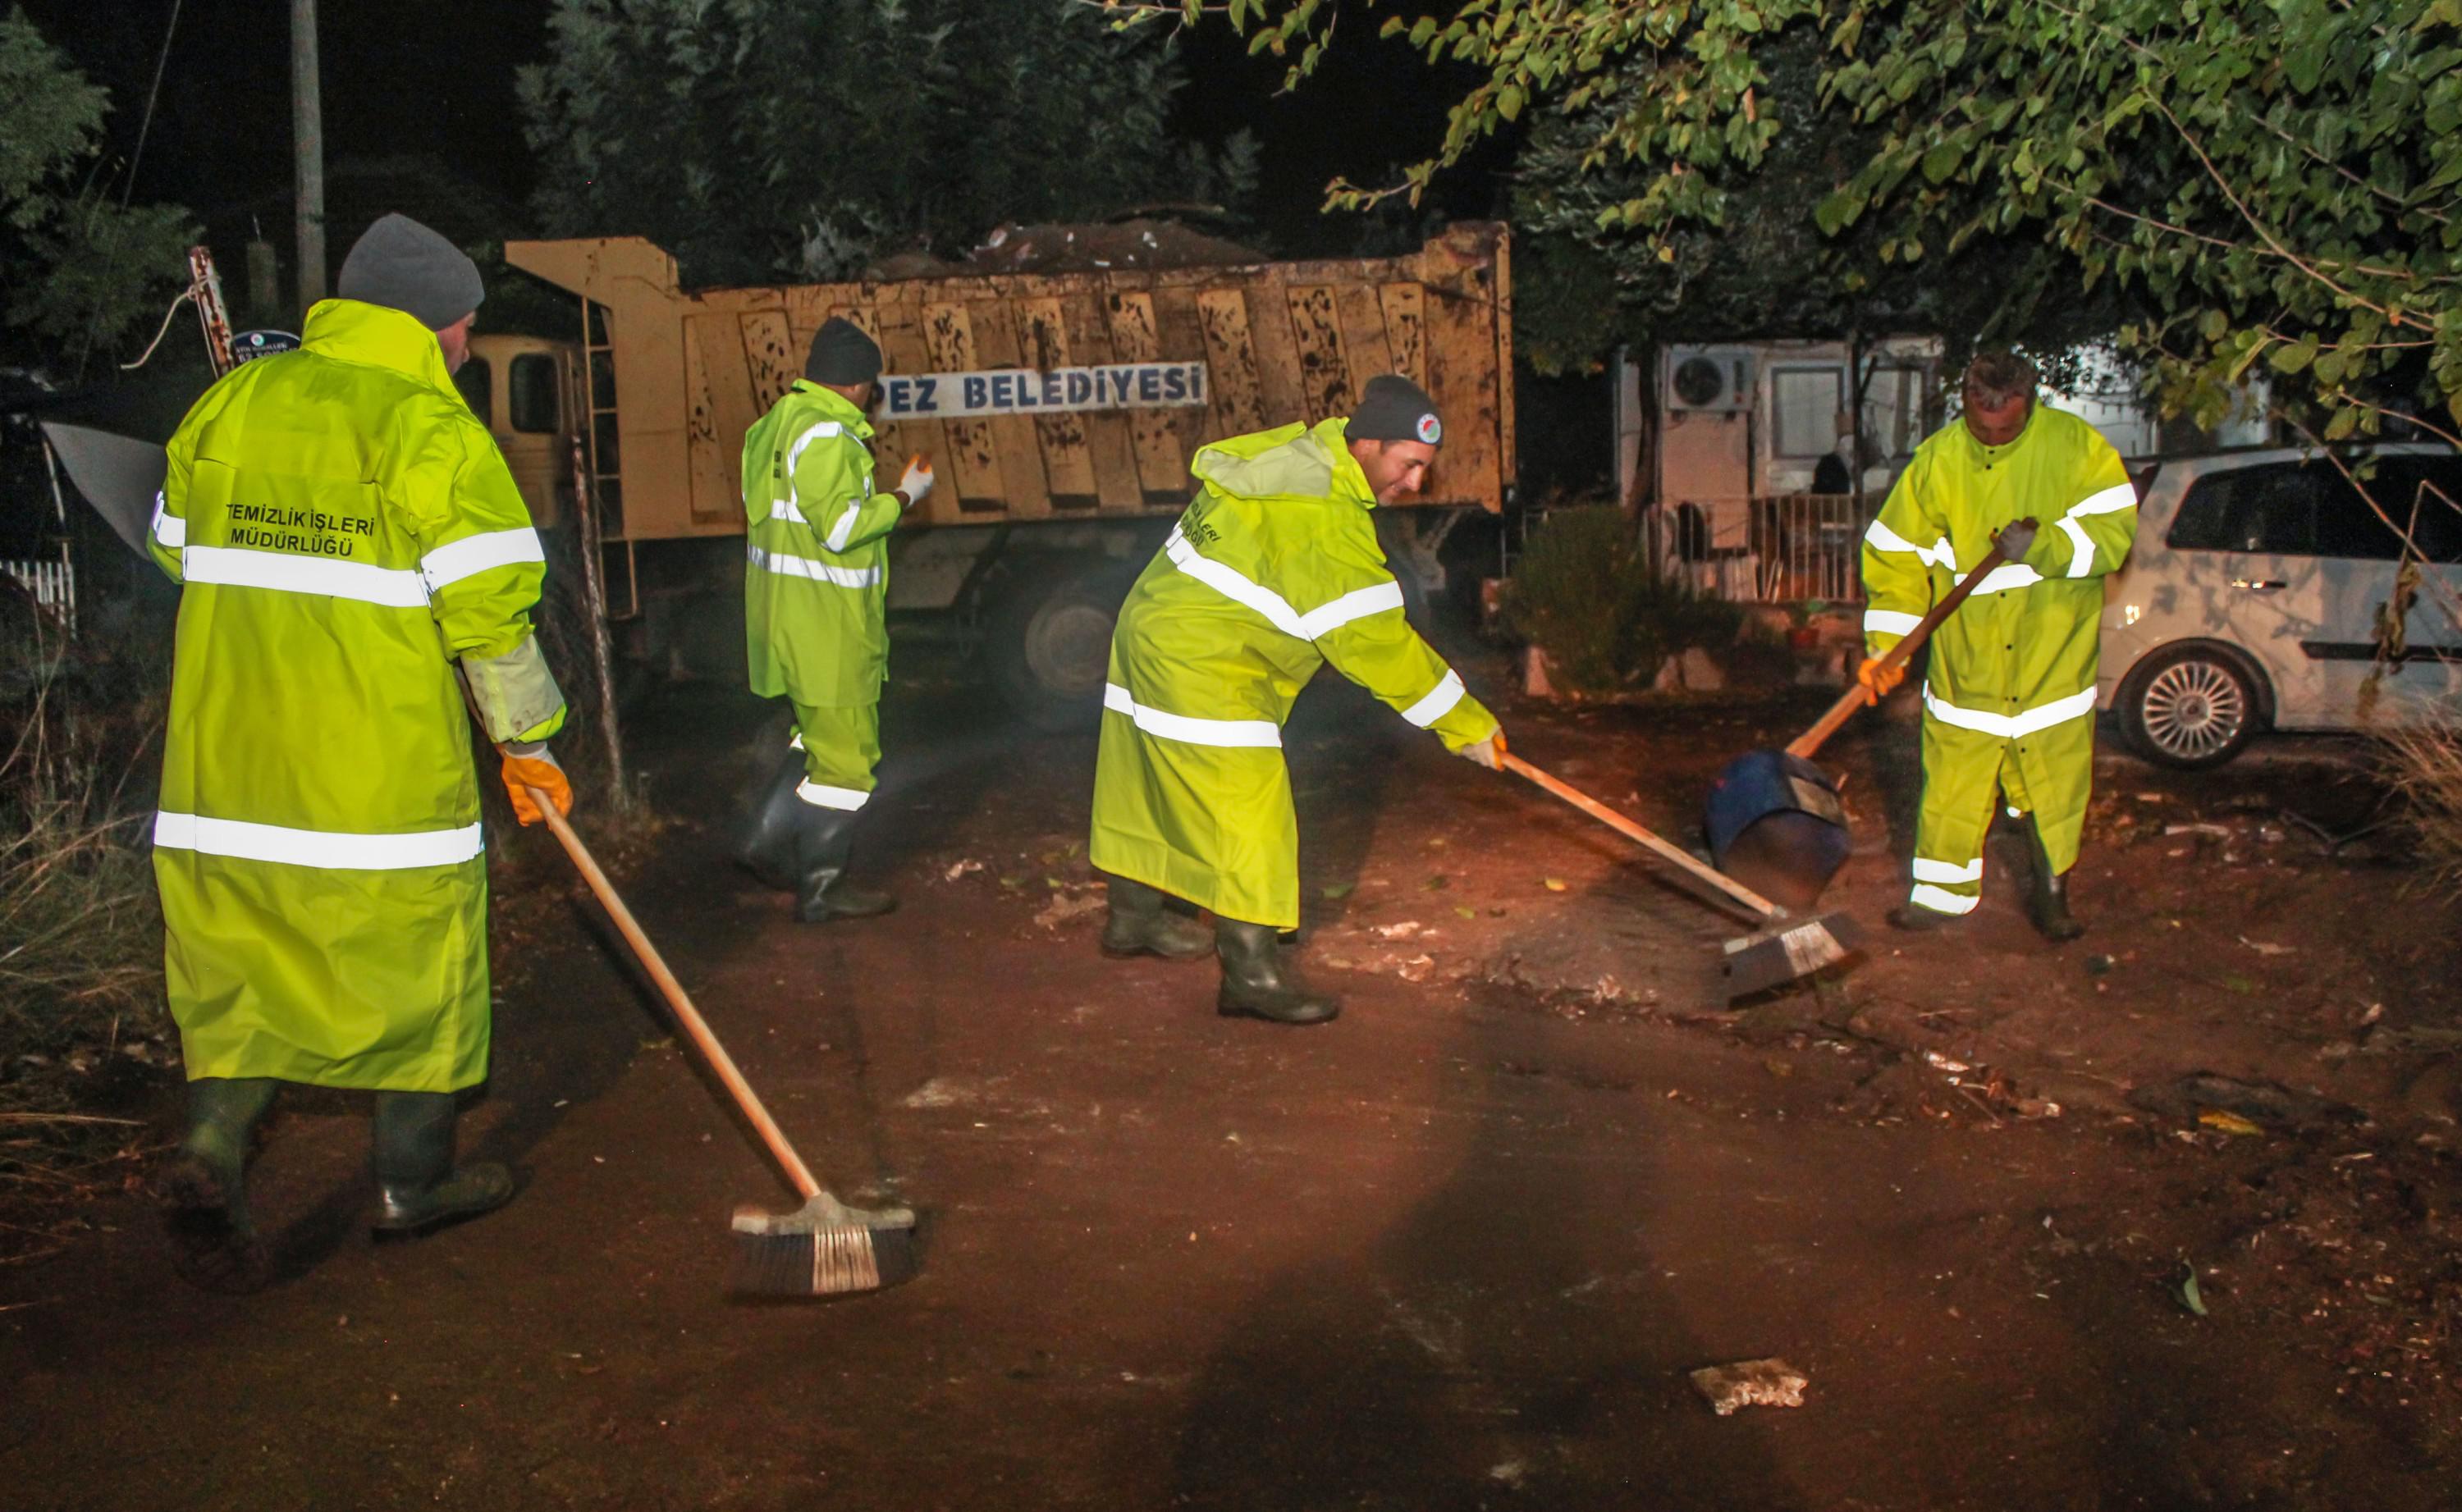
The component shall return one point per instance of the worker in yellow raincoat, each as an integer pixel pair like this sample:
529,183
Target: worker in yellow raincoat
2008,704
345,534
1273,572
815,618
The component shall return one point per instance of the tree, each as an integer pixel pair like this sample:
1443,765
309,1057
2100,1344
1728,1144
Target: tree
2269,180
800,138
83,271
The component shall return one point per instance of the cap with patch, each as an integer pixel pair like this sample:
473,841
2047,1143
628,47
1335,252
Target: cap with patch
1391,408
842,355
404,265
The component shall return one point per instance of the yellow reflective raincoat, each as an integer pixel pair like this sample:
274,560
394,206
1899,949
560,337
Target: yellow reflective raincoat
1273,572
345,530
2008,704
817,583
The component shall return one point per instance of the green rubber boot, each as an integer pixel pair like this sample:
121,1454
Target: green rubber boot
418,1188
1140,921
1254,983
2048,900
204,1187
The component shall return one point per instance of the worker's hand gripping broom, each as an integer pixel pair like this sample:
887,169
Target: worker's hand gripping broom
823,1247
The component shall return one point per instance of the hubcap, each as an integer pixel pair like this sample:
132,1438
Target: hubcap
2194,709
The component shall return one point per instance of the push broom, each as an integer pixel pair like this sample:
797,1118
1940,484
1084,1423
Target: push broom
822,1247
1781,952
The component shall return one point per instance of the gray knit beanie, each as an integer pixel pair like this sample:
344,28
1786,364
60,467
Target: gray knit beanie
1391,408
842,355
401,264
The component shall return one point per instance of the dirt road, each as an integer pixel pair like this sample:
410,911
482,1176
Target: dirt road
1458,1250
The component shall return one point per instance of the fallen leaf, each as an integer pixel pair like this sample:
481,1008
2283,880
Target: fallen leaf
1337,891
2228,1122
2266,948
2239,984
1437,884
1467,914
1555,884
2186,1290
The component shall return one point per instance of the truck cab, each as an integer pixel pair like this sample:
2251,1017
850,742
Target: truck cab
522,387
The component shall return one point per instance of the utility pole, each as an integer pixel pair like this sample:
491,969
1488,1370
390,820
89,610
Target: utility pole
308,138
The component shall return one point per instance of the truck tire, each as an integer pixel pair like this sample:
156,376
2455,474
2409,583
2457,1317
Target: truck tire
1048,641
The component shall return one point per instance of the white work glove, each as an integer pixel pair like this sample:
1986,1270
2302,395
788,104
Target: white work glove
918,480
1485,751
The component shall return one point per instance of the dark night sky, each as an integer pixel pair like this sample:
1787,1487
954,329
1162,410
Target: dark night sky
435,79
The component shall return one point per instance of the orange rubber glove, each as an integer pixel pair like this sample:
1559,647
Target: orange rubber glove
1877,679
537,769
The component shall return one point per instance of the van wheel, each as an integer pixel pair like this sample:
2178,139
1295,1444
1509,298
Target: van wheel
2191,708
1047,640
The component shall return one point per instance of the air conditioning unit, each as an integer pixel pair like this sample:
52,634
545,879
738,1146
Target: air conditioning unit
1711,379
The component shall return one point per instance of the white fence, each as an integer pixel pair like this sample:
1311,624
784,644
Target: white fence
1767,548
52,586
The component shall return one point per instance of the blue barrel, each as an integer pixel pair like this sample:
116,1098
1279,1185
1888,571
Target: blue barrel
1775,825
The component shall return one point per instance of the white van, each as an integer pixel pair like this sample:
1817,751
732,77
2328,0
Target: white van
2252,597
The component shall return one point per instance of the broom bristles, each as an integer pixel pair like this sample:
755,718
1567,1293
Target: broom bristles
1757,962
822,1261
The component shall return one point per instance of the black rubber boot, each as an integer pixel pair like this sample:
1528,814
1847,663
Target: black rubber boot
1254,983
418,1188
204,1187
822,846
2048,900
766,846
1140,921
1915,919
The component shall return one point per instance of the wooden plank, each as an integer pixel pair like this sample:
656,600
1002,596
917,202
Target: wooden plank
1323,370
771,353
713,452
1508,459
1281,396
1156,435
974,456
1406,328
1231,362
1109,436
1025,489
1363,337
1068,449
1463,378
902,344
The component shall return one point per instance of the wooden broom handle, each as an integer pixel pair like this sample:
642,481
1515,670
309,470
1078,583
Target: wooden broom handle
673,990
1639,836
1854,700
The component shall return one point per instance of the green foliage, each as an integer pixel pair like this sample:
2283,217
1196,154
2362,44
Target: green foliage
81,269
50,120
2270,178
799,138
1587,593
111,268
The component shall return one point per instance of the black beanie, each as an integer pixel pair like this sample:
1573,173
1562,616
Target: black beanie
842,355
401,264
1391,408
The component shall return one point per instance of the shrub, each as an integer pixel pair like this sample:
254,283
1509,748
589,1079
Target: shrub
1588,595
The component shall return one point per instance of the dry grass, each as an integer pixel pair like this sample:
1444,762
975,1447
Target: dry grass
80,943
2425,766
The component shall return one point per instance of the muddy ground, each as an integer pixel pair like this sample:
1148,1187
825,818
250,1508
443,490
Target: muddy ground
1458,1250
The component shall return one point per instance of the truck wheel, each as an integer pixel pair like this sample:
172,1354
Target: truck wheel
2189,708
1048,641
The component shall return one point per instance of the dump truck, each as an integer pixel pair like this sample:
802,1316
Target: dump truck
1060,409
